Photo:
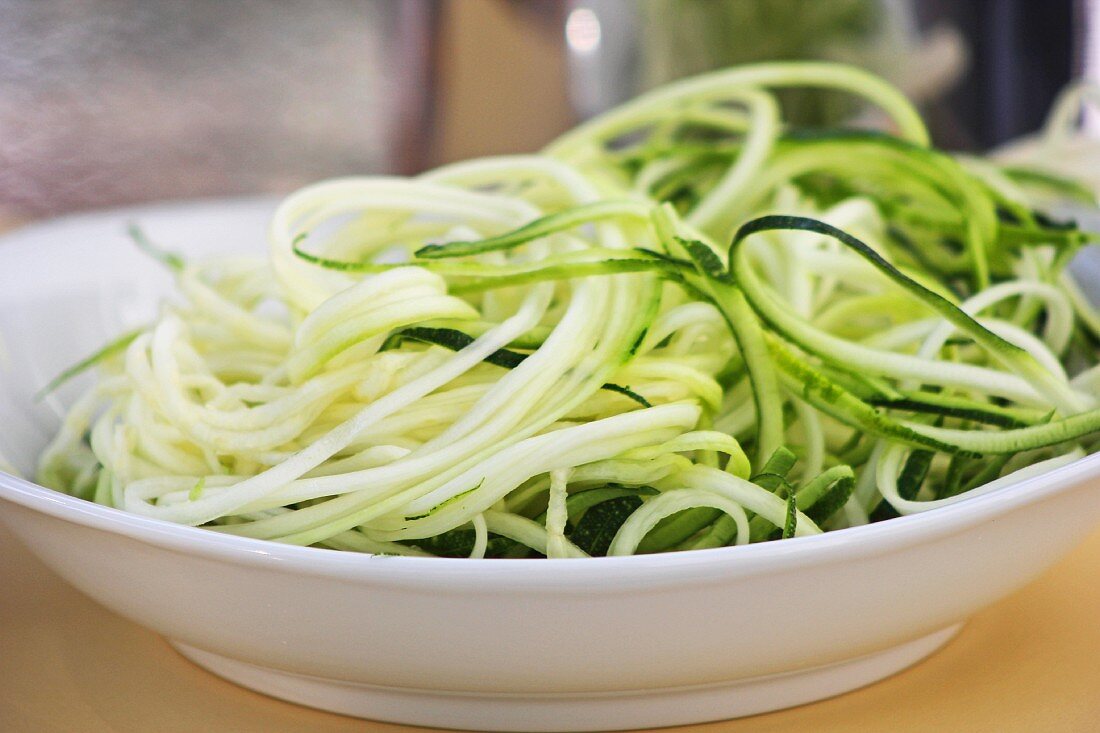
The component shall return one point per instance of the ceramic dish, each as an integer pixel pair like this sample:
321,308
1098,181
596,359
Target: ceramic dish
522,645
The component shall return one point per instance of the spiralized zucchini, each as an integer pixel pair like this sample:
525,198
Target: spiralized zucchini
686,324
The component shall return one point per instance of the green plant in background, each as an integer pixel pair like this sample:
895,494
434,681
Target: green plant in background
685,37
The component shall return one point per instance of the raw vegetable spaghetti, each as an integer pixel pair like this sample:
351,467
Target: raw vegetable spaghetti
686,324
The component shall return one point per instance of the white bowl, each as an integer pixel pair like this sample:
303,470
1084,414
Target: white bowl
602,643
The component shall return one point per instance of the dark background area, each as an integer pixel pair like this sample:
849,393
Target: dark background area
1022,53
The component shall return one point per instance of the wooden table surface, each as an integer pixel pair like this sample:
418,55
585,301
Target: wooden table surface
1030,663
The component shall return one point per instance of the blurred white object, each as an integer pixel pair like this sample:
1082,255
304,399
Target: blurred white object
1063,146
111,101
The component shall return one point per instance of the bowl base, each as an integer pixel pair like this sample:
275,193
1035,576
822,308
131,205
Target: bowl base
592,711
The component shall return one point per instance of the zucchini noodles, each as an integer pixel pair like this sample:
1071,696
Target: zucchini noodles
686,324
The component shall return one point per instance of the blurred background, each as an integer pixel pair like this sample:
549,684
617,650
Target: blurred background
108,102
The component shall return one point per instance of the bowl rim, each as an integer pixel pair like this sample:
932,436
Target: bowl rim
611,573
581,574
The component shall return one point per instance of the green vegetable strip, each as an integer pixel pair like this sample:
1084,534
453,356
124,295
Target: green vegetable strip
675,529
791,523
1008,354
454,340
577,504
936,403
1067,429
717,84
831,398
779,464
539,228
749,337
1060,185
171,260
914,473
113,348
